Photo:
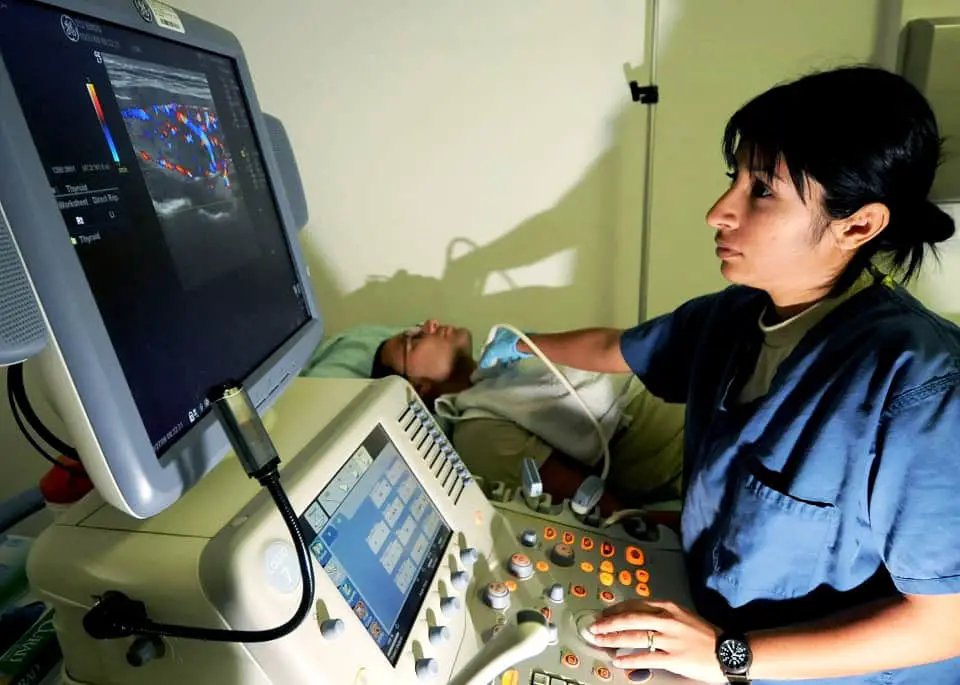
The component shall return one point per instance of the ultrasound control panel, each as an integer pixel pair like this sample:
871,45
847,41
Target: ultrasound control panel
424,573
568,569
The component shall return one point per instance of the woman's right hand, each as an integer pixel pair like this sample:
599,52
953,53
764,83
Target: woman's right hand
501,351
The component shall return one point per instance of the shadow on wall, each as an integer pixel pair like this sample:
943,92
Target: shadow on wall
589,224
581,229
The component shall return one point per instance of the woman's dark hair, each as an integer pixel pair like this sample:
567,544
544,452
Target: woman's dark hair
866,135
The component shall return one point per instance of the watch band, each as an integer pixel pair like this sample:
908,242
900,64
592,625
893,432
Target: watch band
739,679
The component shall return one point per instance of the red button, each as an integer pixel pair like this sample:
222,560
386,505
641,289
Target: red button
635,556
607,549
570,659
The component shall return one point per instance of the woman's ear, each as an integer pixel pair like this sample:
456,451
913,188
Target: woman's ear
862,226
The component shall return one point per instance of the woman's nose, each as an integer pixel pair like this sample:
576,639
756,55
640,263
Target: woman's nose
723,214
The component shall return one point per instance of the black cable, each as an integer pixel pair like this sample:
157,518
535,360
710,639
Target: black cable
15,410
116,615
19,388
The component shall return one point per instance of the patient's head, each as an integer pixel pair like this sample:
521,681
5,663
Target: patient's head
435,358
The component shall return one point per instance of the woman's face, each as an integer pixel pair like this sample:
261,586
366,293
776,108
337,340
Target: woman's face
767,237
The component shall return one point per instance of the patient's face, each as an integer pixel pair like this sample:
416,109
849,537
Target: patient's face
428,352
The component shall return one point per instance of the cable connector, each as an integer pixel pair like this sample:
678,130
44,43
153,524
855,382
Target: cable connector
245,430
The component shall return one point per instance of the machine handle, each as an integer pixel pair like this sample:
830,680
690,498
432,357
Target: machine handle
528,638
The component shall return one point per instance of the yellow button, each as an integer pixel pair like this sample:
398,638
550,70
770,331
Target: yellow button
543,566
586,567
511,677
606,566
606,579
511,585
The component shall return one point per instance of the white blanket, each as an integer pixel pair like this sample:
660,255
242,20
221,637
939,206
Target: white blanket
528,394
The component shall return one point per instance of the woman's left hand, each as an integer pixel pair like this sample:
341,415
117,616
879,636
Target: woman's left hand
683,642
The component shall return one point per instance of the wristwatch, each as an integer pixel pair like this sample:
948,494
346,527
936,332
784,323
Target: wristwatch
735,657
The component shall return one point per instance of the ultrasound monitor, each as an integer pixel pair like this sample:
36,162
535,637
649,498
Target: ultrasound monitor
151,220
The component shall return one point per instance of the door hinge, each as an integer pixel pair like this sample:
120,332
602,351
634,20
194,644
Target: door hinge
647,95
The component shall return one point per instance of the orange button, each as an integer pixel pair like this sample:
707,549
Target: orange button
543,566
643,590
607,549
635,556
578,591
607,597
511,585
602,673
570,659
606,579
586,543
643,576
606,566
568,538
626,578
547,613
549,533
586,567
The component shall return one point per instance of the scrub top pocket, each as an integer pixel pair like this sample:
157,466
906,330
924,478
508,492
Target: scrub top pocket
771,545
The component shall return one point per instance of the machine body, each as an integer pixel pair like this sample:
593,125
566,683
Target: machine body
420,568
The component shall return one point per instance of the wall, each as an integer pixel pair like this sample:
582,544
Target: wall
939,283
716,60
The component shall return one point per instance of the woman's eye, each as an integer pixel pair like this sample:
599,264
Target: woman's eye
760,189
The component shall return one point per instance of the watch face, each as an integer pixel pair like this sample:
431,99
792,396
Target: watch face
734,655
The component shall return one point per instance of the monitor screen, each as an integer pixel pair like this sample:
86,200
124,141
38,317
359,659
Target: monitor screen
380,538
149,150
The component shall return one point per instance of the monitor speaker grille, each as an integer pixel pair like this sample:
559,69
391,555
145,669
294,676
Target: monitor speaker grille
22,332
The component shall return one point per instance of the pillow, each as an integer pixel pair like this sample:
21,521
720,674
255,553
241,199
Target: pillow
349,354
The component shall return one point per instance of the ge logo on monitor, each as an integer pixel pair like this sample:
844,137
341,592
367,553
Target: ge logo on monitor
69,27
144,9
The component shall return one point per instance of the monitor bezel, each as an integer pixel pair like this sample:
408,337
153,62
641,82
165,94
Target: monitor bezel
81,369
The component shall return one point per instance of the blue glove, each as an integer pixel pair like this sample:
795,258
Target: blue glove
502,350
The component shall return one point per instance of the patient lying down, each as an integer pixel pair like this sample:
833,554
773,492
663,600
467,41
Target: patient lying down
495,417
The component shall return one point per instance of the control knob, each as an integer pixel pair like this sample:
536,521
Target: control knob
468,556
497,596
555,593
459,580
438,635
520,566
562,554
528,538
427,668
449,606
332,628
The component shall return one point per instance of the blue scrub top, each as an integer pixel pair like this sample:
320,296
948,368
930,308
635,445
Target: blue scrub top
841,485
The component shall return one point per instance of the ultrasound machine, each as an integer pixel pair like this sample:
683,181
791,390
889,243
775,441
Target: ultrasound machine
153,209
